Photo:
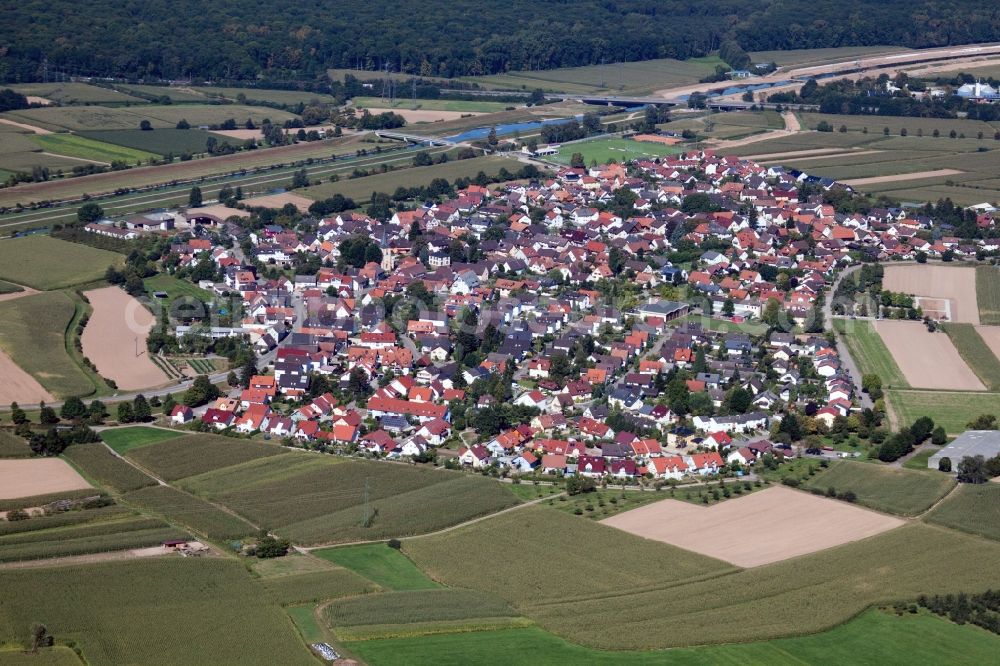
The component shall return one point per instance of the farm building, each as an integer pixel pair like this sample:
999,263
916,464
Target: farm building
985,443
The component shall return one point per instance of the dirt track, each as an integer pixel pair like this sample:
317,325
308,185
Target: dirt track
767,526
118,325
875,180
957,284
30,128
38,476
791,127
927,360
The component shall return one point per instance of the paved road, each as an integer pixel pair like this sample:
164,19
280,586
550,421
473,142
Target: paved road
845,355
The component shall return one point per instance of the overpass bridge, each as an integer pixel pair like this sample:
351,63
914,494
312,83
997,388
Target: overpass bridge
430,141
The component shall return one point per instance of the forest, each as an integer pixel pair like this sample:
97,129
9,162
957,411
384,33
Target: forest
244,40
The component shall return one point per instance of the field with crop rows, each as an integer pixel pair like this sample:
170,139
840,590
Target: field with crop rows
160,141
689,600
90,148
971,508
43,262
951,410
894,490
416,607
63,519
12,446
192,512
873,638
988,294
290,97
33,334
378,562
976,353
41,500
185,608
87,538
195,454
96,462
315,586
869,351
123,439
360,189
84,118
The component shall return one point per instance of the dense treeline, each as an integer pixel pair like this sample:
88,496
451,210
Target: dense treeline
247,39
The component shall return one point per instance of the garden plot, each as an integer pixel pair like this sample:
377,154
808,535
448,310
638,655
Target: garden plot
765,527
928,360
956,284
38,476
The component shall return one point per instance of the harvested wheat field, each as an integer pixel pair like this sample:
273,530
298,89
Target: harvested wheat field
927,360
279,201
875,180
241,134
220,211
117,328
18,385
761,528
991,336
957,284
38,476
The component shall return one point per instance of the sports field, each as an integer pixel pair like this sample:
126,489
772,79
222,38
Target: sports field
892,489
43,262
875,638
33,335
870,352
950,409
612,149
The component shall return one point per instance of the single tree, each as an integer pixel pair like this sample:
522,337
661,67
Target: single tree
944,465
194,197
125,412
145,125
89,212
141,411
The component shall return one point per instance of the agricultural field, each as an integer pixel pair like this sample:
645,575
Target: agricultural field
42,500
195,454
33,335
870,351
971,508
315,586
379,563
98,537
874,638
64,519
12,446
911,345
954,284
729,125
605,503
159,141
290,97
43,262
950,409
38,476
694,600
87,148
822,56
8,288
351,619
57,655
19,152
458,106
782,521
74,93
106,469
976,353
192,512
123,439
988,294
319,500
634,77
894,490
604,150
186,605
84,118
360,189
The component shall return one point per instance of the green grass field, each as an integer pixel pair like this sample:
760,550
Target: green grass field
33,334
377,562
360,189
58,655
45,263
889,489
976,353
123,439
12,446
315,586
988,294
99,465
175,288
612,149
971,508
694,600
160,141
181,457
174,609
90,149
918,461
8,288
869,351
85,118
264,95
951,410
462,106
875,638
74,93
